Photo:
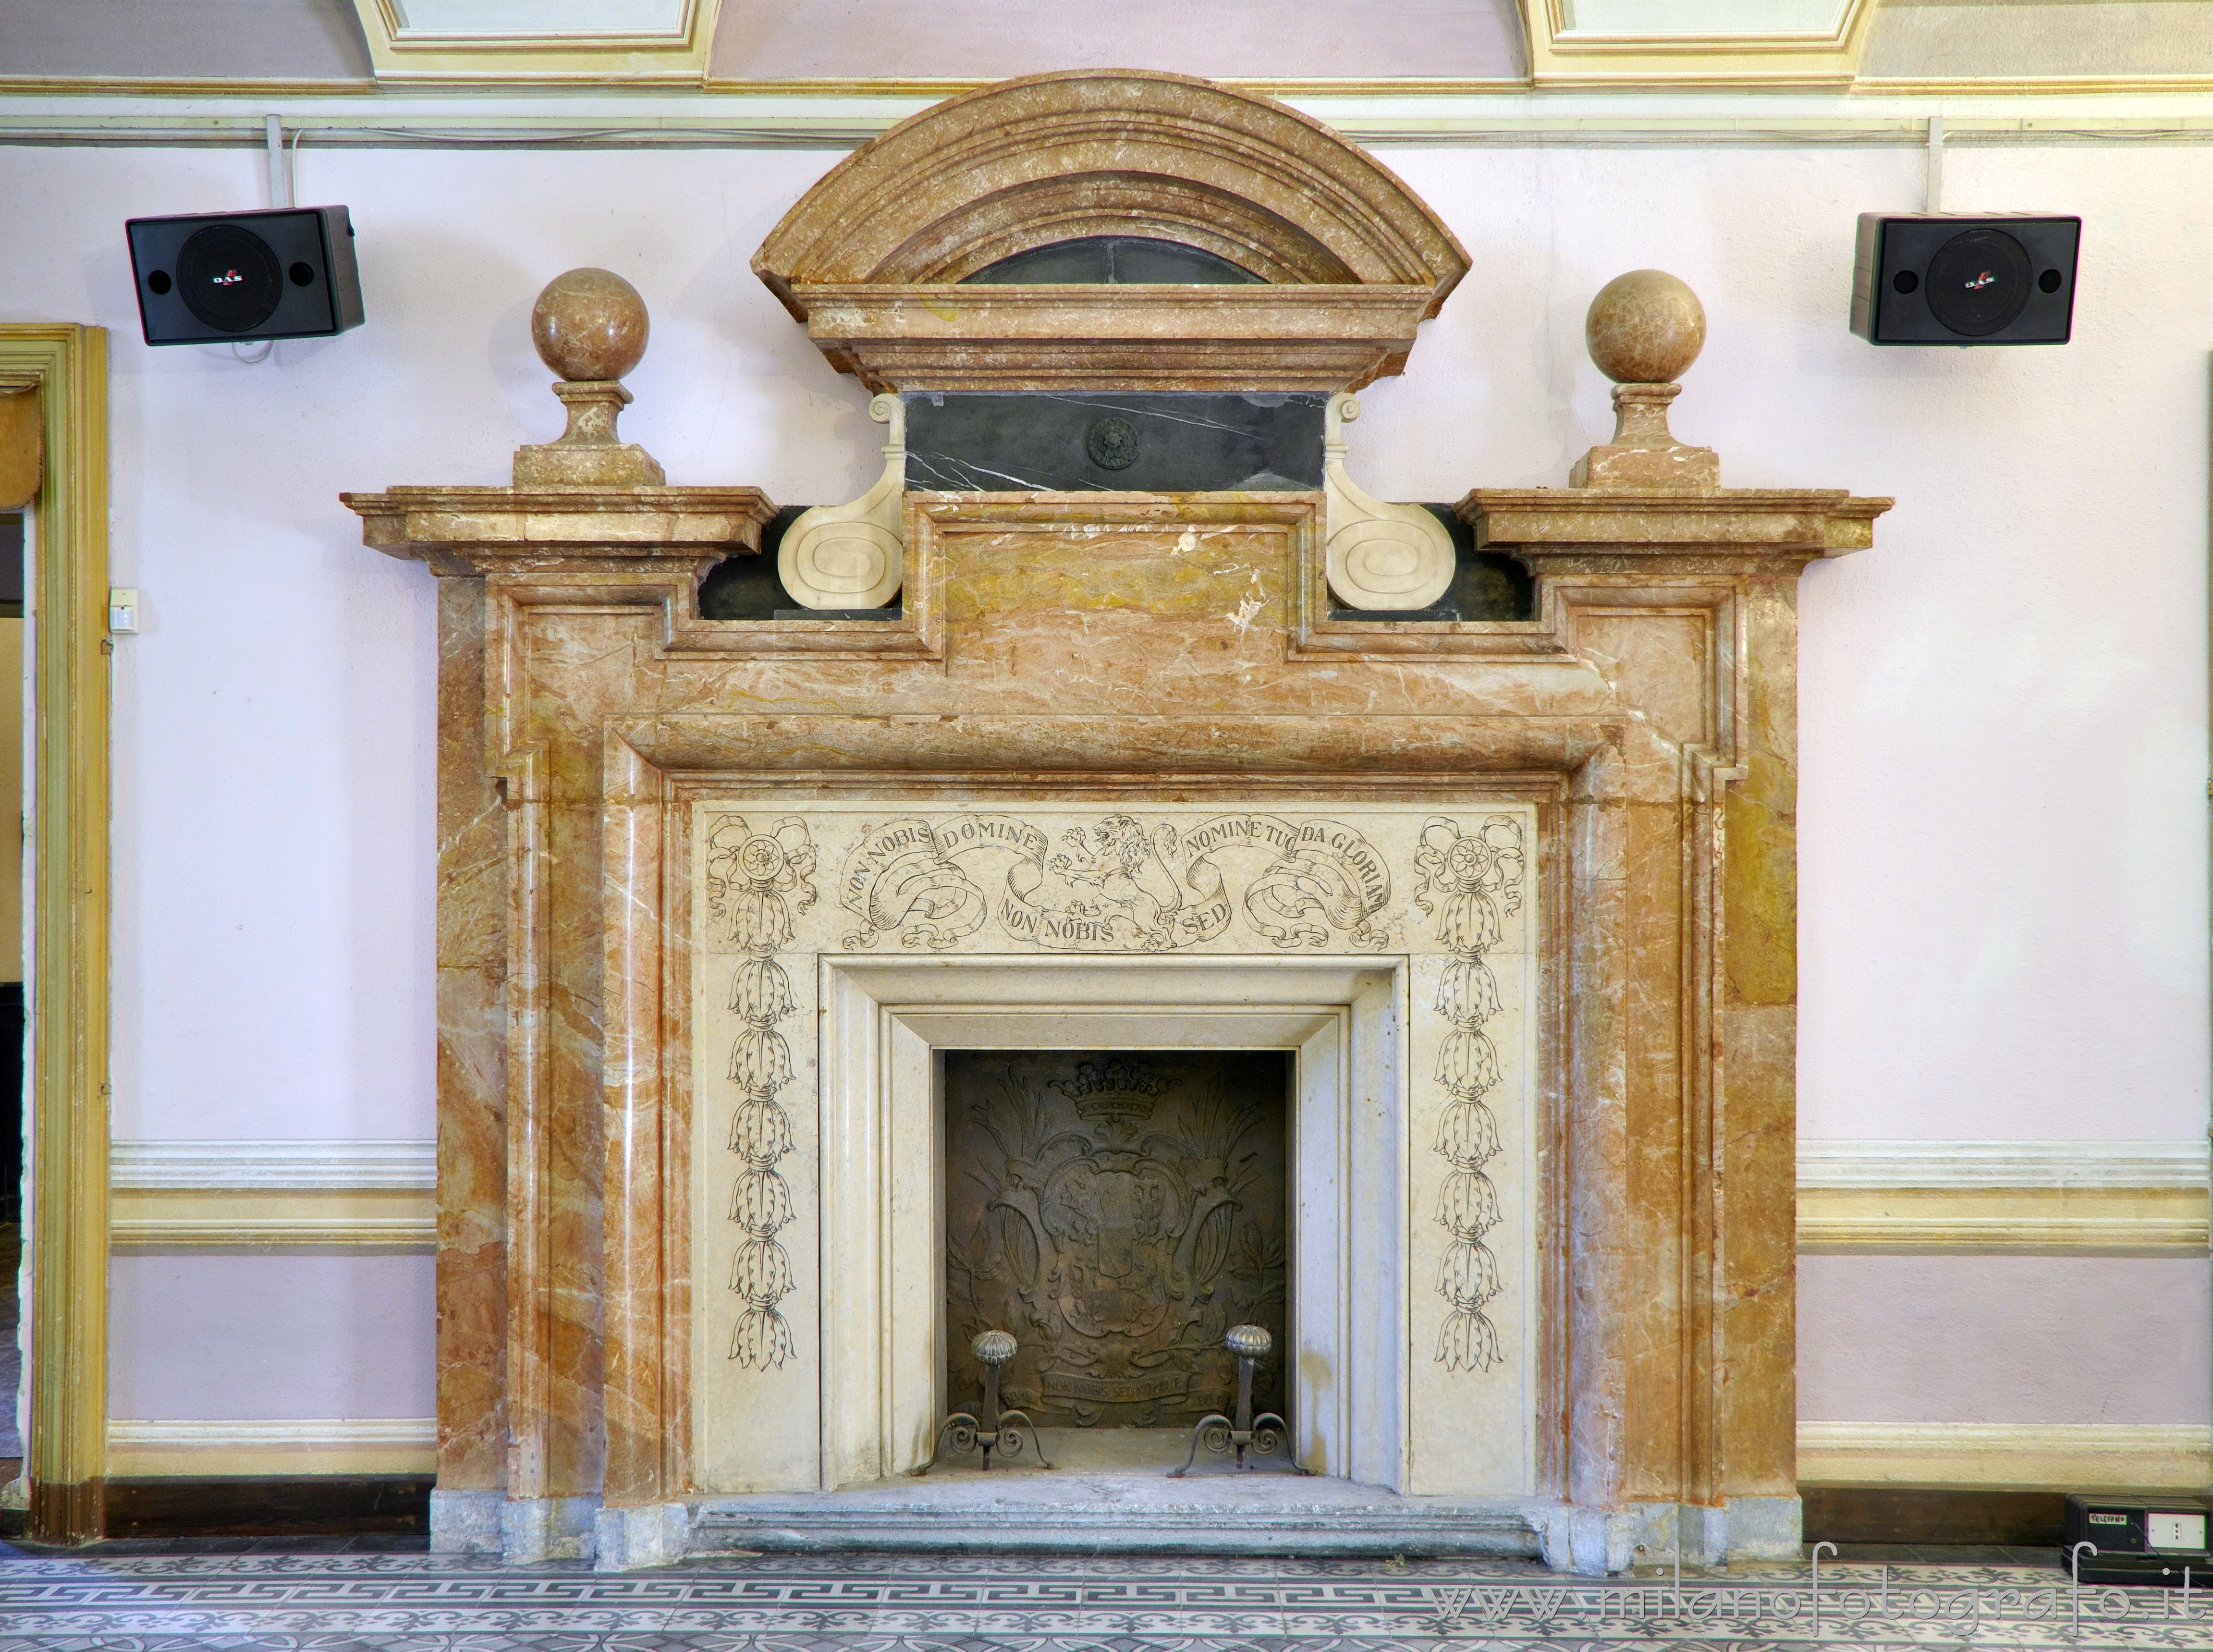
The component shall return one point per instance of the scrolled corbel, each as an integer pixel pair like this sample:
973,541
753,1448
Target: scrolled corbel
852,556
1378,555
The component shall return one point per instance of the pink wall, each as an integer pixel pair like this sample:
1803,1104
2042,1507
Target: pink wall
210,1337
2004,1339
2003,834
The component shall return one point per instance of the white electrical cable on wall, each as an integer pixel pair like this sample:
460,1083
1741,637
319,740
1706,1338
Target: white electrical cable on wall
280,195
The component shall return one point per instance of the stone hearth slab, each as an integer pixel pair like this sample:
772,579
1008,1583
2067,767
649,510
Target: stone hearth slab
1033,1512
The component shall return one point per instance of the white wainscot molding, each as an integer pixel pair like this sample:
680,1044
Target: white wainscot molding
2030,1456
273,1195
2087,1198
196,1449
2130,1199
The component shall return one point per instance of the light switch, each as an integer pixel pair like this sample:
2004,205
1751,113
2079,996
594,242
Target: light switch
122,610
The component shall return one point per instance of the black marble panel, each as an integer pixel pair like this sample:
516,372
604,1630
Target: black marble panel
1114,260
1078,441
746,586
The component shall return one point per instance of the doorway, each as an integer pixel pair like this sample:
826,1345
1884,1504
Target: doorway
11,990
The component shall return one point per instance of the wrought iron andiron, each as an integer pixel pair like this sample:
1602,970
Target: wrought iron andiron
997,1431
1268,1434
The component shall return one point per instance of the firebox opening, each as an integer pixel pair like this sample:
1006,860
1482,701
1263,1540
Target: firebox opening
1117,1212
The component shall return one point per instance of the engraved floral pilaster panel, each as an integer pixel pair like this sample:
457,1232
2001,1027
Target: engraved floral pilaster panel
758,884
1470,1147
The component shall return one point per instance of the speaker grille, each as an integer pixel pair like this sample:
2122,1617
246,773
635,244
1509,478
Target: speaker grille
229,278
1978,282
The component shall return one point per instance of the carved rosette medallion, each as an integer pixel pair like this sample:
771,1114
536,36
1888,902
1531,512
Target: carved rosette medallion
1471,881
753,881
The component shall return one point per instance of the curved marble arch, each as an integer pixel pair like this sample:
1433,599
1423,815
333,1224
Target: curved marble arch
1052,157
872,257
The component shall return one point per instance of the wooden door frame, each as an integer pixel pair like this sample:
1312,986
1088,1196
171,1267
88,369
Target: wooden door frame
66,1170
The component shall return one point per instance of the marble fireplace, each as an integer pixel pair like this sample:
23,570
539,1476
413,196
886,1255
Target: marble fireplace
1177,743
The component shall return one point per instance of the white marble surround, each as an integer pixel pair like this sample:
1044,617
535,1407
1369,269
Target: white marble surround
1392,947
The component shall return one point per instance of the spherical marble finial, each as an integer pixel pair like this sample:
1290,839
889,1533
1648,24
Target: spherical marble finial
590,325
992,1348
1249,1341
1645,327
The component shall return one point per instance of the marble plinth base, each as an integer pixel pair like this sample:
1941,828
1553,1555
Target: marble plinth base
532,1529
1744,1528
1063,1513
522,1530
1067,1513
466,1523
1036,1512
623,1540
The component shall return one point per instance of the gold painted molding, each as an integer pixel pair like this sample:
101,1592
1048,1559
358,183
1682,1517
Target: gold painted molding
170,86
1561,57
400,54
1954,86
22,447
461,118
1281,87
2035,1220
282,1195
482,80
351,1218
2054,1198
194,1449
2019,1455
65,1462
2047,1221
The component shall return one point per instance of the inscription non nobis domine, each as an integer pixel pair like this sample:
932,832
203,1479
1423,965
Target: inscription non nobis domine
1117,1213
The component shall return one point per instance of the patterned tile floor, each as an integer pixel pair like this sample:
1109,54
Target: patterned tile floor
352,1595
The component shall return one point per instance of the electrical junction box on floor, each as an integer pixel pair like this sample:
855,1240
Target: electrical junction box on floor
2139,1540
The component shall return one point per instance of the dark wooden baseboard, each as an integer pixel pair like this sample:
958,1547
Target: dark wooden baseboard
391,1505
400,1506
66,1514
1892,1514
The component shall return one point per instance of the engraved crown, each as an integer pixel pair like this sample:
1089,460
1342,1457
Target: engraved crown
1112,1092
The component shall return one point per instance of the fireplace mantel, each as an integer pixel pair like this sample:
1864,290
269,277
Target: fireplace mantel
1066,656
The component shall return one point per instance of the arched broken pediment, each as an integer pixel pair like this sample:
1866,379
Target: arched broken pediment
875,258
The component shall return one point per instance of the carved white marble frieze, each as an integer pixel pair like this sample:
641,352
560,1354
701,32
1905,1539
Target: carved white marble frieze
1439,897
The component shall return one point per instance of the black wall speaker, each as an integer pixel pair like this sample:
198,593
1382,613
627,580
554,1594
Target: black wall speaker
227,276
1951,279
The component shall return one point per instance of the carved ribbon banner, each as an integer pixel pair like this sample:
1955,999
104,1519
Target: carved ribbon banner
1119,887
901,877
1327,870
